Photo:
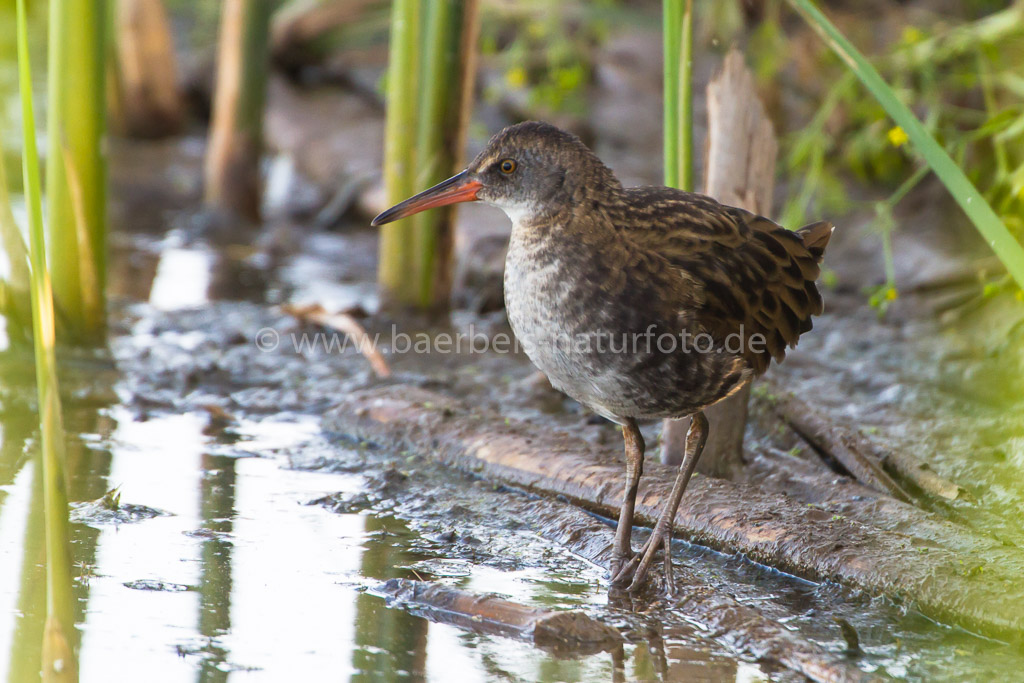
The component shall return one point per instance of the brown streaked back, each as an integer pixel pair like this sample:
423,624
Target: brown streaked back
754,276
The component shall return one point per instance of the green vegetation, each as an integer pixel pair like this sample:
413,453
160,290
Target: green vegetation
544,51
984,168
448,68
59,637
15,302
396,240
677,28
76,186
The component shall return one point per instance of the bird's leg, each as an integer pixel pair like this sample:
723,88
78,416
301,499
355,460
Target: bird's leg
623,550
670,584
696,437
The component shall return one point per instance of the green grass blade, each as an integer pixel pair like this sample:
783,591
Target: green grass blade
58,651
685,86
672,17
1003,243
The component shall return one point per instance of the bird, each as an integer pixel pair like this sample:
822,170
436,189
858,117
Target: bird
640,303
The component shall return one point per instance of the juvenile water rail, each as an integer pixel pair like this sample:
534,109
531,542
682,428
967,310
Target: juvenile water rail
640,303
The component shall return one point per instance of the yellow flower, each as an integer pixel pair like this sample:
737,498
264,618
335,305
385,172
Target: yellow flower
911,35
516,77
897,136
891,294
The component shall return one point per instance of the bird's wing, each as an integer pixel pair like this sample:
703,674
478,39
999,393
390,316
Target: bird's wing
756,277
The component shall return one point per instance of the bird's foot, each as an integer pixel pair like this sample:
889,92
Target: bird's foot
633,574
622,567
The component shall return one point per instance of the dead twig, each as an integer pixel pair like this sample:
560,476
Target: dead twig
346,324
865,460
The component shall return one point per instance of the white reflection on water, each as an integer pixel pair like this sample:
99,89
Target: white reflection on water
182,279
156,463
13,522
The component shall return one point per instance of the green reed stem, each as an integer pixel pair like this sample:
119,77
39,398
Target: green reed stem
677,30
445,100
58,653
15,300
396,261
76,120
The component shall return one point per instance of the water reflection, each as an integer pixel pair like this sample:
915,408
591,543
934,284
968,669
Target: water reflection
30,614
390,644
22,531
217,510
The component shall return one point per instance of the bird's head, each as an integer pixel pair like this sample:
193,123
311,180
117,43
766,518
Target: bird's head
527,170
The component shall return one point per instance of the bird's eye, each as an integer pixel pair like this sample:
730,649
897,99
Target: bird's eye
507,166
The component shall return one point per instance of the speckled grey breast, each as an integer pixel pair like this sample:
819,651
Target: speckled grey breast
601,347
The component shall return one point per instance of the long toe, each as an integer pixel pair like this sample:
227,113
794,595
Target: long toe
656,540
623,571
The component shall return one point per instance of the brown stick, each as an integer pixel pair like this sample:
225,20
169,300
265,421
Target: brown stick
346,324
947,572
232,169
740,163
864,459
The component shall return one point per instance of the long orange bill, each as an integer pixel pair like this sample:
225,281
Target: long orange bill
458,188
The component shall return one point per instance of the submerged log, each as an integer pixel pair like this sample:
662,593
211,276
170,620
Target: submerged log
742,628
948,573
557,631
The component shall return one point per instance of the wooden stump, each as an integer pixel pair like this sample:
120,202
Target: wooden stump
147,100
236,130
740,171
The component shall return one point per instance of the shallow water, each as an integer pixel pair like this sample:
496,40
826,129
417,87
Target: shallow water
239,577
